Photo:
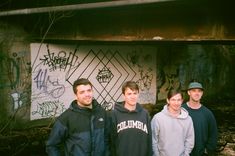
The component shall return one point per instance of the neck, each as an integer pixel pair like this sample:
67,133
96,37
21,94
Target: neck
194,104
85,106
174,113
130,107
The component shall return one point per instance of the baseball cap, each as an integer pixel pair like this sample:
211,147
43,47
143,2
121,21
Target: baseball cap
194,85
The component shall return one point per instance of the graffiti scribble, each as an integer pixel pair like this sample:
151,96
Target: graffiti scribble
10,74
17,102
49,108
104,76
133,58
24,68
145,80
60,61
48,86
107,105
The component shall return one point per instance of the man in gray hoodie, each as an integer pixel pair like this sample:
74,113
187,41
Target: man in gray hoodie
172,128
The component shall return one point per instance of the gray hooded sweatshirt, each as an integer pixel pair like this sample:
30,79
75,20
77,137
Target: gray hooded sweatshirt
172,136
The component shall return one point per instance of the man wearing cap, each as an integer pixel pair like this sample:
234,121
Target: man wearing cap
204,122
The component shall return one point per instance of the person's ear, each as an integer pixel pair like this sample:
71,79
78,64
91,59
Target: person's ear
167,101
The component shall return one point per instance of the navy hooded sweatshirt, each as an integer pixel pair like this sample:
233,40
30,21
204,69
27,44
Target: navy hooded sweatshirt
131,131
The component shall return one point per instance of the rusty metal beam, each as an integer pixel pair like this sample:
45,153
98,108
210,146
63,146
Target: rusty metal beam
84,6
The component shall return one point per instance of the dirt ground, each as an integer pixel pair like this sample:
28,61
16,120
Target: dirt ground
31,142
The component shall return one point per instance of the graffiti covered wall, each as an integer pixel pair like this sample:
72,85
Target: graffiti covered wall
55,67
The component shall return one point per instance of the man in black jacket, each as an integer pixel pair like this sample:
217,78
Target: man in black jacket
81,128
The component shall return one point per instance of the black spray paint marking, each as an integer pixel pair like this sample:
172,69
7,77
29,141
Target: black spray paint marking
47,85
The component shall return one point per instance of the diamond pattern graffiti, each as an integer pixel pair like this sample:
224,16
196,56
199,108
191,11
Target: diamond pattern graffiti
110,70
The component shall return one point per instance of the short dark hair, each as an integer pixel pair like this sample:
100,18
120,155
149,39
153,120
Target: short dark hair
172,92
130,84
80,81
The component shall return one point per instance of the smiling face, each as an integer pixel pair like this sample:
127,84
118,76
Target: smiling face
175,102
130,97
195,95
84,95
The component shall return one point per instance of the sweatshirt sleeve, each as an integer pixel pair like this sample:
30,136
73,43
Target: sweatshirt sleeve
113,133
212,135
150,148
55,139
155,133
108,132
190,138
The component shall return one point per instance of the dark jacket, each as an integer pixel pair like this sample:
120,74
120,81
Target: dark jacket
80,131
131,131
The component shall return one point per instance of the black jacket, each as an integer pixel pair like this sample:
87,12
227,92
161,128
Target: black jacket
81,131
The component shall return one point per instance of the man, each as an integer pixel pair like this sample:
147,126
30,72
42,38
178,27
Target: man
80,129
204,122
131,127
172,128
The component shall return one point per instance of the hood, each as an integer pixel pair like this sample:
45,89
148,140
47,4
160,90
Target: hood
75,107
120,107
183,113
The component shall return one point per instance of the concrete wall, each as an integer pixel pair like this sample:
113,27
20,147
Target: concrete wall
56,66
15,73
176,65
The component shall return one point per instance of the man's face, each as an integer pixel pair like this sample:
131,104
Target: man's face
175,102
131,97
84,94
195,94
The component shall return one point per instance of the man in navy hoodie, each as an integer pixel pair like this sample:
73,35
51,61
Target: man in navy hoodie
131,126
81,128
